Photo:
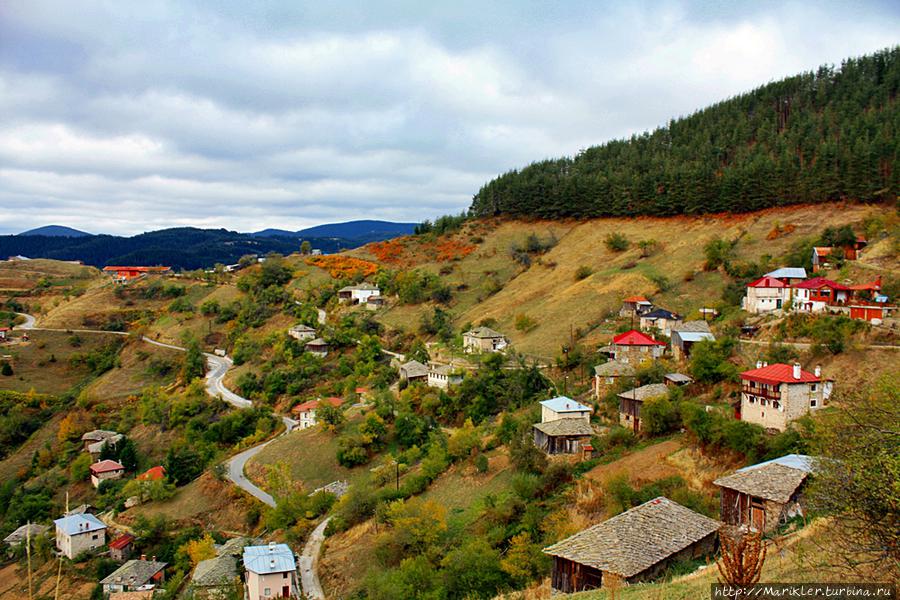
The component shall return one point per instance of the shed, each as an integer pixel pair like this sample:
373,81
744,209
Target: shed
120,548
765,495
686,334
677,379
318,347
634,546
562,436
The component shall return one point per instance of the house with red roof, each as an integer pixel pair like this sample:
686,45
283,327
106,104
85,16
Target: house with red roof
305,412
4,331
126,274
773,396
120,549
635,306
105,470
633,347
818,294
823,257
157,473
766,294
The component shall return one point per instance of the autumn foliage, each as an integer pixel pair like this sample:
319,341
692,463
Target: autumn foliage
388,251
343,267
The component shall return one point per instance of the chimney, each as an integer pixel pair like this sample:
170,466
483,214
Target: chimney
765,363
153,558
143,557
796,371
759,364
818,370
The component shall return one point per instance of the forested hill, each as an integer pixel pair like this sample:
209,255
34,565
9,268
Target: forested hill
814,137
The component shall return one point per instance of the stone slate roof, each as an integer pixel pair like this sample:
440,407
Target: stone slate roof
220,570
19,535
773,481
414,369
134,573
637,539
484,333
678,378
565,427
614,368
645,392
235,546
694,326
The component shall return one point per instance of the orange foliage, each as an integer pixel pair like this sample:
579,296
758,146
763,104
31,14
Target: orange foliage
343,267
388,251
453,250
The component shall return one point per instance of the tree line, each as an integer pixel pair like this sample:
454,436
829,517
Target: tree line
815,137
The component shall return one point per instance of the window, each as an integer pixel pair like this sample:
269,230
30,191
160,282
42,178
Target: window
812,403
267,592
813,387
94,537
284,575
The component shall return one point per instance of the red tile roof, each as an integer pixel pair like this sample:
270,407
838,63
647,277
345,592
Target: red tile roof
820,282
635,338
636,299
768,282
822,250
779,373
153,474
313,404
105,466
121,541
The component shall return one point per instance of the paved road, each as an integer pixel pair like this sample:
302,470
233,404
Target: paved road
309,579
236,466
804,345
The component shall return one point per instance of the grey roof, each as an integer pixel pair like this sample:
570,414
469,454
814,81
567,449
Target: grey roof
273,558
362,287
134,573
440,369
606,349
645,392
79,510
788,273
97,447
19,535
771,482
483,333
694,326
317,342
98,434
678,378
637,539
565,427
694,336
414,369
303,327
220,570
614,368
562,404
235,546
81,523
795,461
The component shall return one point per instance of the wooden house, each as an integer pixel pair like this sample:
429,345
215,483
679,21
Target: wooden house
135,575
630,403
562,436
677,379
634,347
608,375
765,495
635,546
686,334
635,306
413,371
317,347
774,395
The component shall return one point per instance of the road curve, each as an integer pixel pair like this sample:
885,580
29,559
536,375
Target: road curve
309,579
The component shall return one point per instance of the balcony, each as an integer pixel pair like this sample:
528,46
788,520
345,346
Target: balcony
761,392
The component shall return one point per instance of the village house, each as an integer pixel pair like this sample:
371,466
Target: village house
661,320
79,533
135,595
484,339
120,549
4,332
317,347
135,575
126,274
635,306
302,332
630,403
825,257
819,294
374,302
443,376
18,537
94,441
788,275
271,572
766,294
413,371
676,379
563,407
765,495
635,546
356,294
608,374
214,578
634,347
565,426
305,413
106,470
774,395
686,334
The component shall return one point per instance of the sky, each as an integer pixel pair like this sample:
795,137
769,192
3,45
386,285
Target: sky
123,117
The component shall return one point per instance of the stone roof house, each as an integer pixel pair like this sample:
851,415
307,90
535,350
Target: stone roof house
32,530
630,403
413,371
302,332
443,376
484,339
214,577
133,575
317,347
634,546
686,334
765,495
608,375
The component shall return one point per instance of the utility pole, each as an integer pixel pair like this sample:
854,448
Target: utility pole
28,553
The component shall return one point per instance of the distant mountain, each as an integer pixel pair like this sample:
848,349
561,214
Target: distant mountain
56,231
356,233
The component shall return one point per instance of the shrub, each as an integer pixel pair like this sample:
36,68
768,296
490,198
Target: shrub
481,463
718,253
524,323
583,272
649,247
616,242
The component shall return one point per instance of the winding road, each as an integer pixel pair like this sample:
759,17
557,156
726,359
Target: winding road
218,367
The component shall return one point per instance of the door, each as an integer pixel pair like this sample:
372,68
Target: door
637,425
285,592
757,516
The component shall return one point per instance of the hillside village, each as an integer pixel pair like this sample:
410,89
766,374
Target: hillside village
429,416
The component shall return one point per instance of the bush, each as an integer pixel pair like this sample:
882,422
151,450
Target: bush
583,272
524,323
616,242
659,416
481,463
718,253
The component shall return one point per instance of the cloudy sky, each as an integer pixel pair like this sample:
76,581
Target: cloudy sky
124,117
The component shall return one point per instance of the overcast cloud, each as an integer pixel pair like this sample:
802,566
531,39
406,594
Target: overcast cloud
125,117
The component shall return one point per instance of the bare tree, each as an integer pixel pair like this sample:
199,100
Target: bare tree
742,557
